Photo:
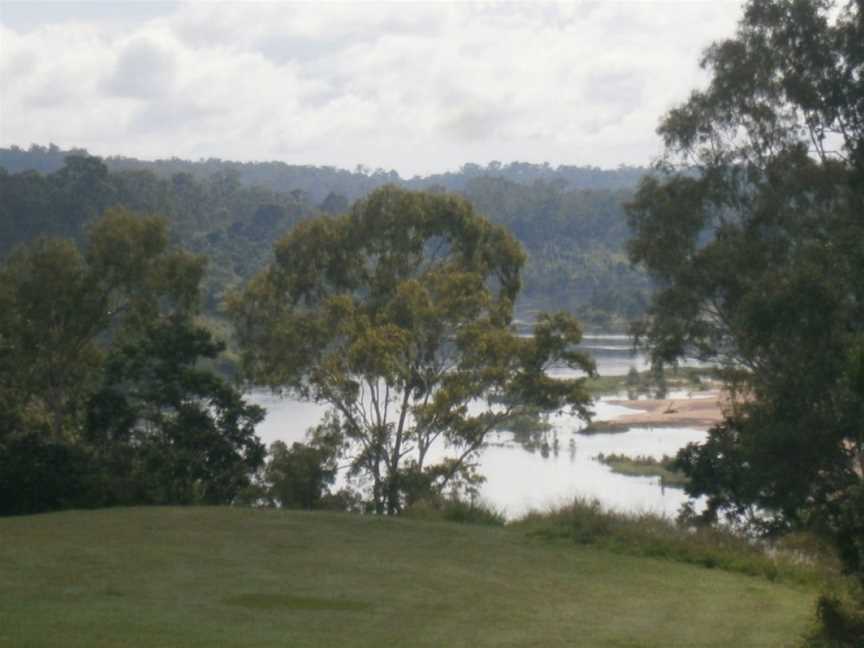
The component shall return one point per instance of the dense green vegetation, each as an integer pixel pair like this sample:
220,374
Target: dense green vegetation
575,241
319,183
574,231
760,256
232,225
239,577
103,399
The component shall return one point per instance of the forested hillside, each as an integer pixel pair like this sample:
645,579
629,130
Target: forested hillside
570,219
318,182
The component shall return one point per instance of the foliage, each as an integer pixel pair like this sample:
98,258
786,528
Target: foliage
575,243
841,623
101,401
297,476
233,225
753,228
570,220
300,476
38,473
399,316
191,435
57,306
323,183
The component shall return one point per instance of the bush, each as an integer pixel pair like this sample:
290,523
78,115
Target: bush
841,620
653,536
452,509
297,477
38,475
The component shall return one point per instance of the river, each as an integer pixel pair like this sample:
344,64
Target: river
518,479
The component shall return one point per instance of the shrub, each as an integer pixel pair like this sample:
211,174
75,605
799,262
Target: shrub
38,474
453,509
841,620
653,536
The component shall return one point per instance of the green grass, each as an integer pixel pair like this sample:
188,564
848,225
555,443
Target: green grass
642,466
238,577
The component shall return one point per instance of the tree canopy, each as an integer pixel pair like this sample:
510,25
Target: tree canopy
57,305
753,227
102,398
399,315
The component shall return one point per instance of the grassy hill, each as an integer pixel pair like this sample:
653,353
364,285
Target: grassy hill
236,577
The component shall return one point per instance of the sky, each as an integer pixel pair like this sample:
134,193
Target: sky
415,87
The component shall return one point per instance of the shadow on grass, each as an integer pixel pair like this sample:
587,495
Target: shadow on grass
290,602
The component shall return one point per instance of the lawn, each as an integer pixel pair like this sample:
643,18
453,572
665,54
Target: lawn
238,577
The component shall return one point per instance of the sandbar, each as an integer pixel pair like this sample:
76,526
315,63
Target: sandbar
702,410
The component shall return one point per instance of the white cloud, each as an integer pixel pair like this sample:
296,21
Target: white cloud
416,87
144,70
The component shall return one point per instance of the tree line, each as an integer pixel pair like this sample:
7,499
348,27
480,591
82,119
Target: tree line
318,182
574,238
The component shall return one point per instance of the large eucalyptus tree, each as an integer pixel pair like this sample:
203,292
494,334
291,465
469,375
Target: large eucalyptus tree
399,314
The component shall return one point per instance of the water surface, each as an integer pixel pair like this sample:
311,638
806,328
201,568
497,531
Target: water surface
550,473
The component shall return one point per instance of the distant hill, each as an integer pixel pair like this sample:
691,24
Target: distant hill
320,181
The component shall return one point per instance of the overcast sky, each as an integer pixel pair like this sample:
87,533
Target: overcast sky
408,86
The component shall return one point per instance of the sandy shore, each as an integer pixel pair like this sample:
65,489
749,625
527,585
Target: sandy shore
702,411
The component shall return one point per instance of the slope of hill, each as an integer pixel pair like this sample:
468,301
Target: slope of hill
240,577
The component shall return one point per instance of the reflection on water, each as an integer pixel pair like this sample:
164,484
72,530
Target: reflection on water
555,468
518,481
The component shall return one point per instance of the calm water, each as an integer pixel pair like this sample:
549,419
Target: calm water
518,479
613,354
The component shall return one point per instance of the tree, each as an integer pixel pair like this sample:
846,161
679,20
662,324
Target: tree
57,306
334,203
101,396
398,314
753,228
297,476
186,435
300,476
